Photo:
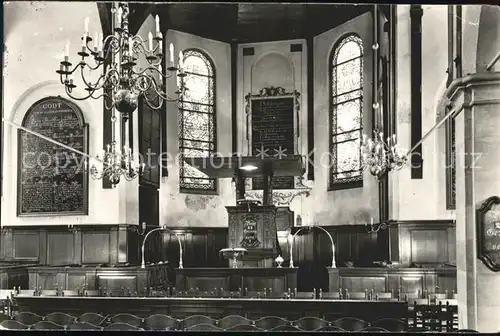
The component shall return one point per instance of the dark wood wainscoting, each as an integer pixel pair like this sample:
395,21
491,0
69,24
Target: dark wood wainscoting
201,247
422,242
352,244
57,245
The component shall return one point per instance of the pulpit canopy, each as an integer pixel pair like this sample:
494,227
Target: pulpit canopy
248,166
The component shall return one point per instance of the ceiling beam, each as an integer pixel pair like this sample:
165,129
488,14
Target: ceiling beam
104,10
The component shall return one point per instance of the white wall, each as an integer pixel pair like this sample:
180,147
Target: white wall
409,195
348,206
181,209
35,38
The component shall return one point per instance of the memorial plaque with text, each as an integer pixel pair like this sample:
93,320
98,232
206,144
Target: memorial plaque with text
488,233
52,180
273,134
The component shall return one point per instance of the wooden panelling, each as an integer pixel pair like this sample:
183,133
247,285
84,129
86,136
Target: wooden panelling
201,246
233,279
352,244
115,280
405,280
14,275
421,242
361,283
60,248
26,245
95,248
424,242
56,245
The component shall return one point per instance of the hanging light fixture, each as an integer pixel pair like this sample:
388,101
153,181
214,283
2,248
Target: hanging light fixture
115,59
117,163
119,79
379,155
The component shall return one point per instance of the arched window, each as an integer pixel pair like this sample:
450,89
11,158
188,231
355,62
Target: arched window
52,180
346,117
197,126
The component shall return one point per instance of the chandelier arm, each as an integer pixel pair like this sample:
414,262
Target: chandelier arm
154,64
68,92
97,66
166,76
61,78
151,67
106,97
137,83
150,104
142,44
163,95
88,84
110,72
139,43
70,72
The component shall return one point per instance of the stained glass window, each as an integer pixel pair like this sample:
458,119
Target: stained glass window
197,127
346,106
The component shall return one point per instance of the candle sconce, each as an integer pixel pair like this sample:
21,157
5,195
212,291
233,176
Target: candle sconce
72,228
140,231
374,228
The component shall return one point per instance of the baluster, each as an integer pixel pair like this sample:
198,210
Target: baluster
320,293
314,294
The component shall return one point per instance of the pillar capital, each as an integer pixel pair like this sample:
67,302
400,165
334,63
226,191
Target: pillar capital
460,93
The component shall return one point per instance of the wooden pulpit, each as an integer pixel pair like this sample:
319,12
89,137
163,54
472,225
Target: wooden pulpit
252,225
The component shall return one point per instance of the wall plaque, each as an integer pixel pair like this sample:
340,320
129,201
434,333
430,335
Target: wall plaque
272,129
51,179
488,233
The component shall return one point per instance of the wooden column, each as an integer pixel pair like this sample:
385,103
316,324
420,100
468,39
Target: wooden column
234,96
310,108
416,13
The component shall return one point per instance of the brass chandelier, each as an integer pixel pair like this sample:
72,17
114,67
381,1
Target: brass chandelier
121,80
380,155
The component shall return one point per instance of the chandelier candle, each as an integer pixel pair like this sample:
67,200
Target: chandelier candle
115,57
380,156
